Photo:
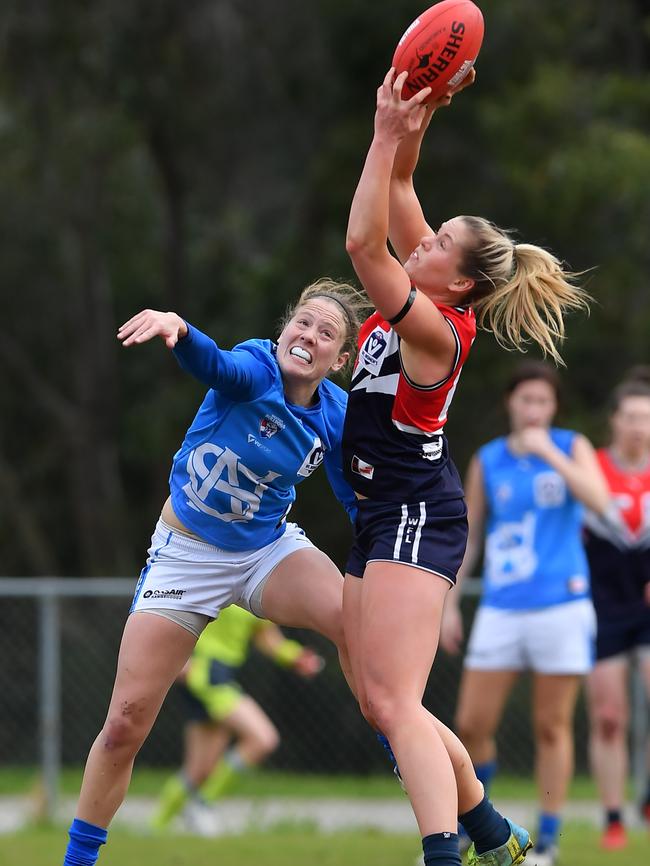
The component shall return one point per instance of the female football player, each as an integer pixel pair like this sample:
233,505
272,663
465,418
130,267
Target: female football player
411,524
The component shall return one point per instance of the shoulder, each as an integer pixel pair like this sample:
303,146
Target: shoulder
492,450
333,397
461,319
565,439
263,351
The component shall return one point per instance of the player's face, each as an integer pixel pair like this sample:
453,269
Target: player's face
631,424
435,263
311,343
532,404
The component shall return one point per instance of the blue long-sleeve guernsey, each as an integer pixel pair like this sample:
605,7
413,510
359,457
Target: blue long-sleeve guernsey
233,479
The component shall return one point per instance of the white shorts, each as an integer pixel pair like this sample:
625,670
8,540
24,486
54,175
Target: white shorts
183,573
553,640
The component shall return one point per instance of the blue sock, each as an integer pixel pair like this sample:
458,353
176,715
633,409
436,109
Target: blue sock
485,773
549,827
83,847
441,849
486,827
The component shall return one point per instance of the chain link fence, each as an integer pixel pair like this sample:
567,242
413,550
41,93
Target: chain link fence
59,640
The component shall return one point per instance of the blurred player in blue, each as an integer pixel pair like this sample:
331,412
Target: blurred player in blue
619,557
219,711
411,526
525,494
268,421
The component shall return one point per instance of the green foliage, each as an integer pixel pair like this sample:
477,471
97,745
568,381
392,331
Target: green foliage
202,157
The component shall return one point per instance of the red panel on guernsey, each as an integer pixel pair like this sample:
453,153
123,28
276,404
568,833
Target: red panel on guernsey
630,491
423,408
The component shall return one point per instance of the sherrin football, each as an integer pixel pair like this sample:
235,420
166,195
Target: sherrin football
440,47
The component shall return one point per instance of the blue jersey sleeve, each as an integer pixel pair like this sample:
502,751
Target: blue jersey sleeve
242,374
344,493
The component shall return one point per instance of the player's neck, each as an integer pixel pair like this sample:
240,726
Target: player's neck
630,460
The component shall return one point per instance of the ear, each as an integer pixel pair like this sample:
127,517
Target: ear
462,284
340,362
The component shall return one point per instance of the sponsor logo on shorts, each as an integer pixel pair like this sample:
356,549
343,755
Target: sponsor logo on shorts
270,425
164,593
367,470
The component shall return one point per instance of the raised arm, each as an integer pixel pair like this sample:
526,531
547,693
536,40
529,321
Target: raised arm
407,223
580,470
239,374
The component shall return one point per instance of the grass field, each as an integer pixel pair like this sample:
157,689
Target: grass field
288,846
266,783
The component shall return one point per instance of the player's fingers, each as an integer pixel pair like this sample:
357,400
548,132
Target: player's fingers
388,78
398,84
133,321
419,97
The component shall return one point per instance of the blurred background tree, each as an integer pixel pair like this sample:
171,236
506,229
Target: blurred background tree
201,156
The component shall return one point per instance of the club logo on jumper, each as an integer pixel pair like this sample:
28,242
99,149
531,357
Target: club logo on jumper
313,460
164,593
549,490
270,425
432,450
373,350
218,475
366,470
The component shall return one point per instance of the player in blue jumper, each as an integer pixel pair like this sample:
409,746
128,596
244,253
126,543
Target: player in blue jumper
268,420
525,493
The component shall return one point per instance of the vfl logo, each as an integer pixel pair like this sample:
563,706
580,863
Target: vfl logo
270,425
366,470
313,460
373,349
212,468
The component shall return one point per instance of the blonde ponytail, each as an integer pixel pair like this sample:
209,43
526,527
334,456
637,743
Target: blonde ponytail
522,292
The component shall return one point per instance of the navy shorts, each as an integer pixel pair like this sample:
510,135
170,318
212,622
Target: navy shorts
427,535
620,636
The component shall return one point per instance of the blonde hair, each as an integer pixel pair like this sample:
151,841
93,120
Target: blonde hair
521,291
354,304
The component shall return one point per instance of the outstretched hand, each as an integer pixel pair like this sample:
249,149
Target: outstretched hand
308,663
148,324
396,117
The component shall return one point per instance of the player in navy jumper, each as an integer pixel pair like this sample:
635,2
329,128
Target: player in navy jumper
619,558
411,524
268,420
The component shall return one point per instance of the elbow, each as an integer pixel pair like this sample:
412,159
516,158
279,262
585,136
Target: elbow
360,248
354,245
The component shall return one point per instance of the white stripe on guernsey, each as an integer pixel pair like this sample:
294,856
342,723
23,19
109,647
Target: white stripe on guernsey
380,385
406,428
418,532
400,531
450,397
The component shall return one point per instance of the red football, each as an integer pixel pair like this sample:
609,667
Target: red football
440,47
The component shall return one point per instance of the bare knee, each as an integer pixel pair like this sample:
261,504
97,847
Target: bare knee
261,744
609,724
125,728
551,731
383,710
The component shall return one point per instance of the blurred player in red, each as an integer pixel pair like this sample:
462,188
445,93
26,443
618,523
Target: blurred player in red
619,558
411,524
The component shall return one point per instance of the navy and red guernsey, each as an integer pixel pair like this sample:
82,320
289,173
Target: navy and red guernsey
394,448
619,548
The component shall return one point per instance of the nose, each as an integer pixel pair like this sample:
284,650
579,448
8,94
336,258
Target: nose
426,241
308,335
